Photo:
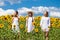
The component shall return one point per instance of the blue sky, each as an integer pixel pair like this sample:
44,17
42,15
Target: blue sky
37,6
30,3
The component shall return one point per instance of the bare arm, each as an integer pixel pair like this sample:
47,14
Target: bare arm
41,22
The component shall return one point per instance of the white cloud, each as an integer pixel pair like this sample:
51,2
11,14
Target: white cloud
9,11
24,10
6,12
13,1
53,11
40,9
1,10
2,2
55,14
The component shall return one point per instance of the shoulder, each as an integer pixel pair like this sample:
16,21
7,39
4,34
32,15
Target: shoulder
12,17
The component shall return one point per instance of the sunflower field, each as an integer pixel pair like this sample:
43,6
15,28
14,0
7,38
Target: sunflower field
37,34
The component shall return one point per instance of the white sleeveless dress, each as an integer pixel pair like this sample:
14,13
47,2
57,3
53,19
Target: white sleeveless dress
45,23
29,24
15,24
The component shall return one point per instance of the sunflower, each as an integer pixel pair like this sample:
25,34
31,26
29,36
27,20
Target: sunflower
9,22
36,30
38,25
1,25
38,17
22,18
5,18
58,26
26,17
35,18
25,30
0,17
34,23
21,26
52,19
53,25
8,16
10,26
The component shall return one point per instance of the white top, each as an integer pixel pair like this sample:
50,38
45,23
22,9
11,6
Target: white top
15,20
29,24
29,20
45,22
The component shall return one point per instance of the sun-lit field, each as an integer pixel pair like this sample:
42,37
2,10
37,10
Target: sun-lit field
37,34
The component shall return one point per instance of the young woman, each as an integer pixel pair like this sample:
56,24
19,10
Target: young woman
29,21
45,24
15,24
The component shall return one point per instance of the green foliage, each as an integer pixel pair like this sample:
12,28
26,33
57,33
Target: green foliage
8,34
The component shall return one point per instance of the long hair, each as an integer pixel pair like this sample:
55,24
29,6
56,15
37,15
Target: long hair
46,14
30,12
16,13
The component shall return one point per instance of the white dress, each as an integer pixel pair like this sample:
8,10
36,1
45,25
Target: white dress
45,23
15,25
29,24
